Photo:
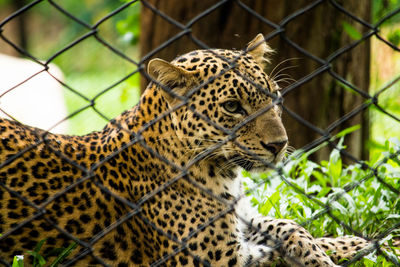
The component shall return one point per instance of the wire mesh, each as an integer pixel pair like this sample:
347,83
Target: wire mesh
129,210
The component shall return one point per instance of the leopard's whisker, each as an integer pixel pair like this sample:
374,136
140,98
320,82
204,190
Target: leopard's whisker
271,74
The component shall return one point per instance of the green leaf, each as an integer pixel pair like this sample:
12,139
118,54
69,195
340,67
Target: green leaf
38,260
348,130
324,192
271,202
246,174
39,245
63,255
322,179
335,167
351,31
18,261
347,88
394,37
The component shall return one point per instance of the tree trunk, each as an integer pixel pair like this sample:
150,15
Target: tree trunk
320,31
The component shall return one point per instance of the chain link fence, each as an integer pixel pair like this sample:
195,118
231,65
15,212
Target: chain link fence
133,211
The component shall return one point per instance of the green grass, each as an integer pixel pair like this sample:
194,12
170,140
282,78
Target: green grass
354,195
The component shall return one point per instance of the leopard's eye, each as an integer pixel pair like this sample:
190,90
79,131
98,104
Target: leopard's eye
233,107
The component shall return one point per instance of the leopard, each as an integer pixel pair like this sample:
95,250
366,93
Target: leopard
159,184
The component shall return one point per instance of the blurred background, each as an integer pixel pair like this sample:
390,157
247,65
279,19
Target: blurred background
97,56
87,68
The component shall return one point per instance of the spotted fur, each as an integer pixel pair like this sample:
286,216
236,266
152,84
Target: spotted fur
158,184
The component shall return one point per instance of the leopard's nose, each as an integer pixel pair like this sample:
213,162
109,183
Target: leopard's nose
274,147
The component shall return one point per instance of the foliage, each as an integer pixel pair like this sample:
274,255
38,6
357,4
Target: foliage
129,27
383,74
381,8
40,261
18,261
351,31
110,104
394,37
90,74
330,199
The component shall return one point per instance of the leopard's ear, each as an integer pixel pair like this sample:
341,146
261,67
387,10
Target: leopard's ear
260,50
171,77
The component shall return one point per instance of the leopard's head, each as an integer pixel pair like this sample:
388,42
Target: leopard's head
225,107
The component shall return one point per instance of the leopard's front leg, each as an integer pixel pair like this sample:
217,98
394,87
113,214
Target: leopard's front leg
270,239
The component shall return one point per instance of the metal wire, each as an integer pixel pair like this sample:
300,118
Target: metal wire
135,209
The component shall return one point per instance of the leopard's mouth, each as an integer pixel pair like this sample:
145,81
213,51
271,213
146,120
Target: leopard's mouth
242,162
251,164
254,164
